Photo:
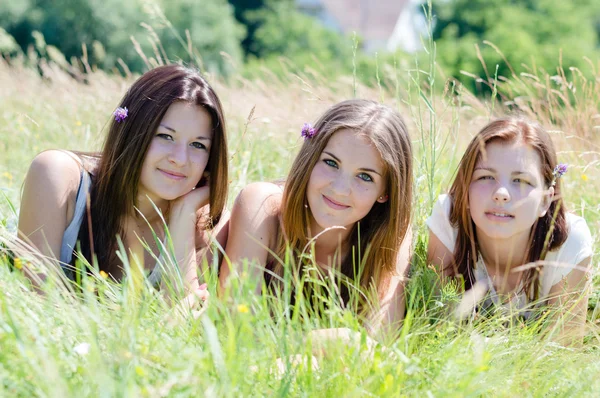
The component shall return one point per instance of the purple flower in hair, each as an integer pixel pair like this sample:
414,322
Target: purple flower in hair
560,169
120,114
558,172
308,131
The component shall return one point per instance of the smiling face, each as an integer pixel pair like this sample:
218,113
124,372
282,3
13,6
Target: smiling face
178,153
346,182
507,193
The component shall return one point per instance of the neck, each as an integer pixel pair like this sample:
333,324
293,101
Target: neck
330,244
503,254
148,208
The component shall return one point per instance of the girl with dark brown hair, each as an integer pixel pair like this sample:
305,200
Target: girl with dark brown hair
165,155
346,203
504,226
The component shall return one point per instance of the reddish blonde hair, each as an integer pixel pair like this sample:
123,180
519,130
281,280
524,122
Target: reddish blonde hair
548,232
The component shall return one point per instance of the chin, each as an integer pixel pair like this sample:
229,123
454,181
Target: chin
498,234
170,195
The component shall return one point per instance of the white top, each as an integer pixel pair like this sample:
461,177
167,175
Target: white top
558,263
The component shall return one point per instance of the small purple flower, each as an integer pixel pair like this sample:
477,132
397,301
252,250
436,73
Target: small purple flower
558,172
120,114
308,131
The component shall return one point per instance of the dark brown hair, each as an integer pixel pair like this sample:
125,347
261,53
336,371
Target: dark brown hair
116,179
551,227
384,228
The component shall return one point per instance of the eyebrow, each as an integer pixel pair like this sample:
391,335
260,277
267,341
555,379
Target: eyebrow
490,169
175,131
362,168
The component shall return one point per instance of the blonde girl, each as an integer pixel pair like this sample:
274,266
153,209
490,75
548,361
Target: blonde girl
349,191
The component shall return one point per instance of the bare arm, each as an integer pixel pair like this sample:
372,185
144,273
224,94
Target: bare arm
183,218
439,255
252,231
47,204
387,319
210,244
569,302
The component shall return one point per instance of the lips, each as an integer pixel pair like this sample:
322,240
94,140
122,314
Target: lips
172,174
499,215
334,204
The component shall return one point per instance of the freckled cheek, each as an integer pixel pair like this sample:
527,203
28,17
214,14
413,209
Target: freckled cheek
198,157
478,191
530,199
321,175
156,151
363,190
526,191
477,195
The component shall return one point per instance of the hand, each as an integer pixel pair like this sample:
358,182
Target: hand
198,299
191,201
195,302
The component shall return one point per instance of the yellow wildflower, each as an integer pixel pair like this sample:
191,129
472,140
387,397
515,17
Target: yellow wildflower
18,263
243,308
78,123
7,175
584,177
388,382
139,371
103,274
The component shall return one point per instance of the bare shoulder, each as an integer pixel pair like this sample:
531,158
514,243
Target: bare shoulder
253,228
262,199
439,255
255,215
47,202
56,167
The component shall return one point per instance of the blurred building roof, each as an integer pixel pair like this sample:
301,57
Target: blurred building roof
382,24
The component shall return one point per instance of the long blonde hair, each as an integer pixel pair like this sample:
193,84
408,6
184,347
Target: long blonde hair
384,228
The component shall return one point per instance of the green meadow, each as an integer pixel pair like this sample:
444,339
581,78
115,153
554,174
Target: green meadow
116,340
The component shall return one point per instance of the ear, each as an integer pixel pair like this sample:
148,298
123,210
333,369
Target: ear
382,199
546,202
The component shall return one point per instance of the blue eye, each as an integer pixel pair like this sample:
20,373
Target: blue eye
198,145
331,163
165,136
365,177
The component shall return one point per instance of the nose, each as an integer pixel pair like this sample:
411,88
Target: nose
501,194
178,155
341,185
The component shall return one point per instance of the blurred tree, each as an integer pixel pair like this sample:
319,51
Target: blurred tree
106,27
241,9
212,28
530,33
285,32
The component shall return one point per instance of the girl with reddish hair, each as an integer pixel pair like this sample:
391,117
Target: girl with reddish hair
504,226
